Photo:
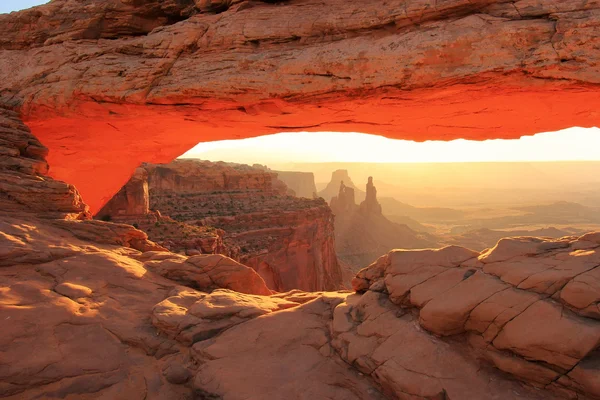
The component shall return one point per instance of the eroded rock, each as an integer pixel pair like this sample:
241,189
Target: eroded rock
521,305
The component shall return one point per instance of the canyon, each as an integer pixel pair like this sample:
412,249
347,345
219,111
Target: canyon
94,309
288,240
110,314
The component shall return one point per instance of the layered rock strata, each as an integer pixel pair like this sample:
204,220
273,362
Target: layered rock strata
156,77
25,186
106,317
288,240
529,306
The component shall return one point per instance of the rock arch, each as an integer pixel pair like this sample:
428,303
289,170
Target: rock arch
113,83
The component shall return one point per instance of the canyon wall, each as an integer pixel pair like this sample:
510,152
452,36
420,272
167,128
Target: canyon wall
301,184
288,240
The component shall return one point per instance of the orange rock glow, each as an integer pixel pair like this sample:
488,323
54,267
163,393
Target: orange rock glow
98,146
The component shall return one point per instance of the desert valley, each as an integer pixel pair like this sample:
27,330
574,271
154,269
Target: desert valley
131,268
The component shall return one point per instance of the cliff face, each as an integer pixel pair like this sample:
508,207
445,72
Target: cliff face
290,249
25,187
288,240
131,201
191,176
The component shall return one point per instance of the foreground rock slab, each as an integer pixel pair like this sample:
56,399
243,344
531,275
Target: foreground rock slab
507,302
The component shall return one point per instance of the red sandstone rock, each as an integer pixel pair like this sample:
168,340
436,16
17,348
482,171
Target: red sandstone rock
190,317
288,241
472,69
132,201
25,187
362,233
75,318
510,302
208,272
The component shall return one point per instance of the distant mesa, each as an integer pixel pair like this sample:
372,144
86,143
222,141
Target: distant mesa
302,184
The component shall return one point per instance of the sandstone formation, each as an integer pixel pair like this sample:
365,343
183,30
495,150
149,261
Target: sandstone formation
345,202
131,205
370,205
88,313
157,77
288,240
363,233
302,183
333,187
24,185
529,306
92,309
131,201
395,331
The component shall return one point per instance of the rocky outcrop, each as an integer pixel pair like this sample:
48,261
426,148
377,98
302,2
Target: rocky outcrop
132,201
239,211
82,301
370,205
362,232
523,305
207,272
426,324
344,203
151,79
25,187
333,187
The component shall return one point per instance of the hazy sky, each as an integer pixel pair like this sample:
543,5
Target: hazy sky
7,6
567,145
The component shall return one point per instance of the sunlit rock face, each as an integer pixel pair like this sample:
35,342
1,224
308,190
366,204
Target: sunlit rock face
108,84
287,240
25,187
109,314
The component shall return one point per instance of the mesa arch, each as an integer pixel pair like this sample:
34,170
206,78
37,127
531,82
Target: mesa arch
113,83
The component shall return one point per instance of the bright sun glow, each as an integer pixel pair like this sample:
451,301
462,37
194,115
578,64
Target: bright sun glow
574,144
